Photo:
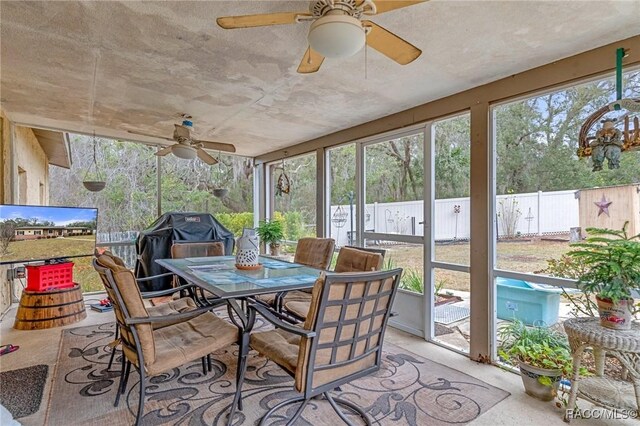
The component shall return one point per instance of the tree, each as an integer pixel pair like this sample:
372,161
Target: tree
7,232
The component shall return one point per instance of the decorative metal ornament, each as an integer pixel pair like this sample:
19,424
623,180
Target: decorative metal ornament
94,181
339,218
609,142
603,205
283,185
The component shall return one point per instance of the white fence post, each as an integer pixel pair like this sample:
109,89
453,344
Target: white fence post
539,213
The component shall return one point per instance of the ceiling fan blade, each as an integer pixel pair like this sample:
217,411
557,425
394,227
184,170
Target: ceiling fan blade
311,62
133,132
383,6
261,20
390,45
206,157
216,146
164,151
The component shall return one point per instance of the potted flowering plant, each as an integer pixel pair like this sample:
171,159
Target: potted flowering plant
541,353
612,273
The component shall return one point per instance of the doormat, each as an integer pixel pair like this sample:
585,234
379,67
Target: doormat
21,390
447,314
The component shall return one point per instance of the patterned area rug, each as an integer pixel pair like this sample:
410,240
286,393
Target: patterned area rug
408,390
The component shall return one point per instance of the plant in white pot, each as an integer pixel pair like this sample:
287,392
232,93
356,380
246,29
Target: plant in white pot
271,233
541,353
612,260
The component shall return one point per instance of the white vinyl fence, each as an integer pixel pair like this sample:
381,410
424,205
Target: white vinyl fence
536,213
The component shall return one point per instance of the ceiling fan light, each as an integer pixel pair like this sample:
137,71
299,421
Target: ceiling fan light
337,36
184,151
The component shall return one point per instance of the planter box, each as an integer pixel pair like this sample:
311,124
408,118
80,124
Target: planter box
410,309
530,303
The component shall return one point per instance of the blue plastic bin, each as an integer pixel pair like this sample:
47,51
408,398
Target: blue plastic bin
533,304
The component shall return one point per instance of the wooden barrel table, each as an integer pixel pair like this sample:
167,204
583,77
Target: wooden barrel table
47,309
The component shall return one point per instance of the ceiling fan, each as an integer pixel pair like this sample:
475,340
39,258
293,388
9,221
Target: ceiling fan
338,30
187,147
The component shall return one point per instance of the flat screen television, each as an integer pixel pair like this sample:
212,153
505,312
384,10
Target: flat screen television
44,233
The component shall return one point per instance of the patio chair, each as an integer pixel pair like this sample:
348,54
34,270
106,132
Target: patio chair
151,350
172,307
180,250
314,252
340,341
297,303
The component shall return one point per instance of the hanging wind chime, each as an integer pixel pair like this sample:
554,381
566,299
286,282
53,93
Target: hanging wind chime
283,184
94,180
608,142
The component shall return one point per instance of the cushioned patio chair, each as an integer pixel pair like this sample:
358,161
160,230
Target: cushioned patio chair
181,250
297,303
197,249
314,252
152,351
340,341
172,307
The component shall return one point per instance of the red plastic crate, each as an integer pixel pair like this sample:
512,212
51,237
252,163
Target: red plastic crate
50,277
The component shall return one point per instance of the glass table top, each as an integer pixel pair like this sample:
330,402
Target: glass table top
220,276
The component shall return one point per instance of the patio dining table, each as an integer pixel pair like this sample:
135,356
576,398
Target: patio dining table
219,276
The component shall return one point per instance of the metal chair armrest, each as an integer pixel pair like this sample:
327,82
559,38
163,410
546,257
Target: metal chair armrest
166,274
151,294
273,319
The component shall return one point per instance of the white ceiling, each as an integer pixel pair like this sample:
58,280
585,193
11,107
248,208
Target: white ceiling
111,66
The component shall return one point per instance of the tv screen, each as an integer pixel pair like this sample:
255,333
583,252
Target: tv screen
37,233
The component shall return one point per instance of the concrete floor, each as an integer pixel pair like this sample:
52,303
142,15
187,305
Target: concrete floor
41,347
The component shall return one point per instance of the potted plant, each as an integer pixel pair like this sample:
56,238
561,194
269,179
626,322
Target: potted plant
541,353
612,260
271,233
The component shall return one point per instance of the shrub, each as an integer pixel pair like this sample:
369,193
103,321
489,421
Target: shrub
235,222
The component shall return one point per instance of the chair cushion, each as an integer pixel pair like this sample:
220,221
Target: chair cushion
187,341
354,260
269,299
279,346
194,249
315,252
299,309
173,307
128,289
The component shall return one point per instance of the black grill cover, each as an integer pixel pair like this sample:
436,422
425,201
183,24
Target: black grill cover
155,243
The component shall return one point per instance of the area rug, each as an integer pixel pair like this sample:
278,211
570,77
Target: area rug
408,390
21,390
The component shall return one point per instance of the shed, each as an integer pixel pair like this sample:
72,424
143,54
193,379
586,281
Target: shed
610,207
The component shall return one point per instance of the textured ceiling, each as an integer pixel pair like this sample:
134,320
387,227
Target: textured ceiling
111,66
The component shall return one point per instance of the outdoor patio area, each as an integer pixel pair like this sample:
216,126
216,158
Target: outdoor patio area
43,348
323,212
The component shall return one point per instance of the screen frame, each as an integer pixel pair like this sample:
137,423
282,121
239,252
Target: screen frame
46,260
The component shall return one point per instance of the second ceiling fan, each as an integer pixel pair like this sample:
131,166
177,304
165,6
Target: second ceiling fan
186,146
338,30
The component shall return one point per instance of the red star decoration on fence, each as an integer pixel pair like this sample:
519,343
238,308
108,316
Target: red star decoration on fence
603,206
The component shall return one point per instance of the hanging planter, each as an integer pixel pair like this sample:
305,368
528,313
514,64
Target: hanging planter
93,177
220,191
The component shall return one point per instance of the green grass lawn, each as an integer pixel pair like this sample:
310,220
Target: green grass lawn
83,272
520,256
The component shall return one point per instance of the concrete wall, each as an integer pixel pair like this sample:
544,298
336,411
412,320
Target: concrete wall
25,179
